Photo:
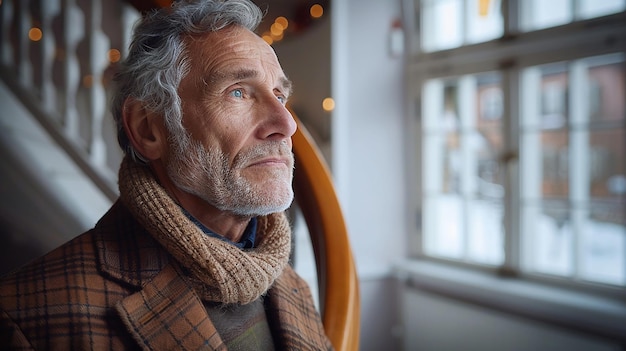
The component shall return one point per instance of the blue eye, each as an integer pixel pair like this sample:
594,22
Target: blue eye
238,93
282,99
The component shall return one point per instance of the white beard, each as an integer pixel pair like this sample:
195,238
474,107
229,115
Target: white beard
207,174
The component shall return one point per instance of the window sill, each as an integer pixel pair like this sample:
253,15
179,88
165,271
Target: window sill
581,312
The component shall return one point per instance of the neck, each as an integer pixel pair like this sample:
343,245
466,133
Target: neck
226,224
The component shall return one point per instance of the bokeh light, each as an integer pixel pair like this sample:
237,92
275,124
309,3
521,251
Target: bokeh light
35,34
328,104
282,21
316,11
114,55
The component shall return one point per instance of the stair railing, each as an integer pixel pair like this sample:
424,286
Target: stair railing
58,58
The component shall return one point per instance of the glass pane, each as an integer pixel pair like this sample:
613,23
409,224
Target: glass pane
539,14
463,184
486,183
447,24
607,173
484,20
595,8
485,231
442,24
603,237
549,238
554,91
573,169
443,226
603,258
555,165
606,89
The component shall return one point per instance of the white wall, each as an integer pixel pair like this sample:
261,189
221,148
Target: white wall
367,144
367,132
441,324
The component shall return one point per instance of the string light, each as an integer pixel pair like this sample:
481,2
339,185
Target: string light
268,38
276,29
114,55
282,21
316,11
88,81
328,104
35,34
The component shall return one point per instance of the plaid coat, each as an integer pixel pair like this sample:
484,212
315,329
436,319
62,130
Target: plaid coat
115,288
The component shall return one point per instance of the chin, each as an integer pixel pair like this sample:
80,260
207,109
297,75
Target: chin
271,203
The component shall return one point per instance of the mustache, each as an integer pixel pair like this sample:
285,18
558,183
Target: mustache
258,152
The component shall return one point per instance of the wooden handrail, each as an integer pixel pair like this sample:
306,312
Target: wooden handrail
337,277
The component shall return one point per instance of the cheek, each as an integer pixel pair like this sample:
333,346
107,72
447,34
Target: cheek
229,128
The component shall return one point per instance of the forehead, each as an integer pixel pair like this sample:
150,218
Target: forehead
230,49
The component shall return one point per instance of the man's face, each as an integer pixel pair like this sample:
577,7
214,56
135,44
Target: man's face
237,152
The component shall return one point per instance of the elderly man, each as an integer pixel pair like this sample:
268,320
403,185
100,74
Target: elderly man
194,254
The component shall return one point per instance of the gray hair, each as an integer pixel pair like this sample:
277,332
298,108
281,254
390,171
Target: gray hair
158,58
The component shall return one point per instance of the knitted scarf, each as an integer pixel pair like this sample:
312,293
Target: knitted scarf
220,271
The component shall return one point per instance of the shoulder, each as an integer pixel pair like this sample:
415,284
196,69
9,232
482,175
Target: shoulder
75,257
117,250
74,288
60,291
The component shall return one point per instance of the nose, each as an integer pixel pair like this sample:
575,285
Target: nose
278,123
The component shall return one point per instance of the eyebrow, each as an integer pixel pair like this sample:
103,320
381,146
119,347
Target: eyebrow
242,74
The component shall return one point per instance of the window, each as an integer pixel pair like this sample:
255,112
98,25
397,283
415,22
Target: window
463,192
521,117
538,14
572,165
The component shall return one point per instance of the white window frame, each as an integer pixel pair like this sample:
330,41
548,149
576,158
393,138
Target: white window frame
542,297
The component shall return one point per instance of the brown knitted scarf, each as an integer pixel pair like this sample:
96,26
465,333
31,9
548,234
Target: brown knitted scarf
220,271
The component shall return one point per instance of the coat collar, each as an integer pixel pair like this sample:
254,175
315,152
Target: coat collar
166,314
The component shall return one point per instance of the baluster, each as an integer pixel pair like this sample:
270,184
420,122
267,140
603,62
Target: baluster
129,17
6,11
118,23
24,66
73,32
49,9
98,47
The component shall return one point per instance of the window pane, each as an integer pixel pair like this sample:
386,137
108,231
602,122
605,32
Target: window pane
573,171
539,14
463,184
484,20
603,254
595,8
603,258
442,24
447,24
549,237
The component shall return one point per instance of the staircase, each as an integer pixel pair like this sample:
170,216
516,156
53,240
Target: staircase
58,148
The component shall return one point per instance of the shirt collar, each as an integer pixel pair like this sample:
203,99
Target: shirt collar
247,240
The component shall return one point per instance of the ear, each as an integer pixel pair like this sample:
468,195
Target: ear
145,130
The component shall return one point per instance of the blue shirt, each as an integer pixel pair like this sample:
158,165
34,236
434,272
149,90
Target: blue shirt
247,240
